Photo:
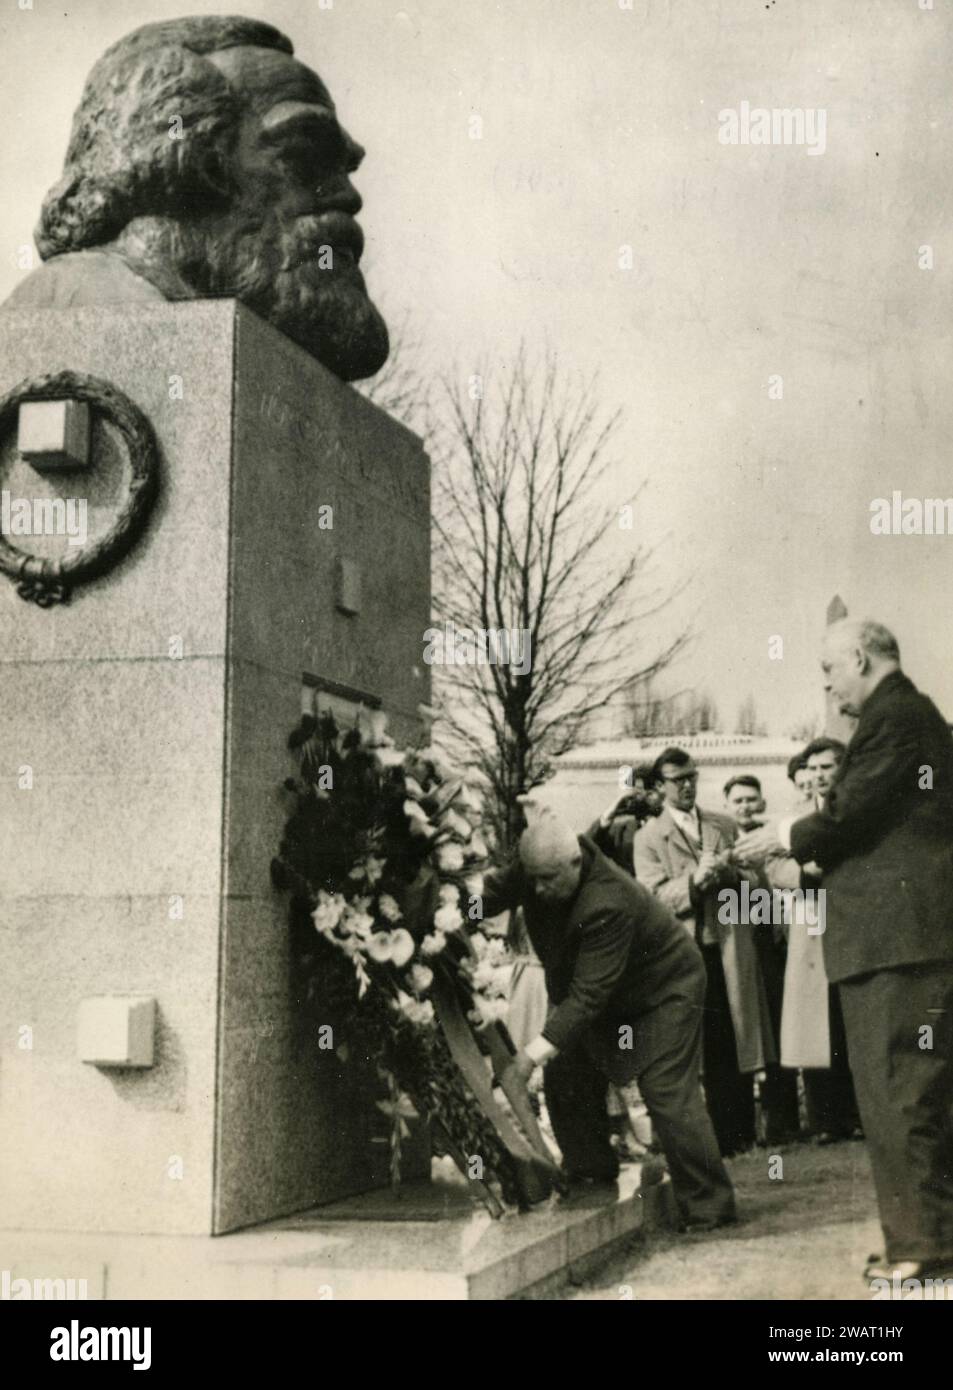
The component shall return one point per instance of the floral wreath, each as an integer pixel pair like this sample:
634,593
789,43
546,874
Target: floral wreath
384,854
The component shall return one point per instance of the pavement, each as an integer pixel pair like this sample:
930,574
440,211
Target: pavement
807,1226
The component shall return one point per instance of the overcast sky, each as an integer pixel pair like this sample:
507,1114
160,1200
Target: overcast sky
600,130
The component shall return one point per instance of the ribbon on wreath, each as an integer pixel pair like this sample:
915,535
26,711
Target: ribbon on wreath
537,1174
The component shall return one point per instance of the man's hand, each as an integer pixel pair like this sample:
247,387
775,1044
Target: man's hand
707,871
727,869
758,845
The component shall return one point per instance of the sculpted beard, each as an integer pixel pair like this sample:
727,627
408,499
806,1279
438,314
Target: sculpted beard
273,267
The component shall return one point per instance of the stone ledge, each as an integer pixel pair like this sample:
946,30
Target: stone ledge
448,1251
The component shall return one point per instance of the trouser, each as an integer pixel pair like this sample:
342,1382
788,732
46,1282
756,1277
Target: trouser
779,1092
903,1075
729,1092
829,1091
668,1044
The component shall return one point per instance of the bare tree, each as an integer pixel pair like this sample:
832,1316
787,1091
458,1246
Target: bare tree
649,712
705,713
524,523
805,729
748,721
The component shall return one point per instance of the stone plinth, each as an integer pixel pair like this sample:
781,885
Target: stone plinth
152,712
440,1249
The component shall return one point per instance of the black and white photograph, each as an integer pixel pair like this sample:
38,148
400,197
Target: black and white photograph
476,708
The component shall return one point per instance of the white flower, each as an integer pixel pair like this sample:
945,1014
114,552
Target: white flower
449,894
469,799
448,918
450,858
389,757
433,943
496,951
396,946
479,943
421,977
484,976
371,724
420,1012
419,822
489,978
474,885
328,912
489,1010
370,868
388,908
452,821
356,919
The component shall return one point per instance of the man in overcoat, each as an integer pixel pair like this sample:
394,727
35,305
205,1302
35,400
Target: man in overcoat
884,839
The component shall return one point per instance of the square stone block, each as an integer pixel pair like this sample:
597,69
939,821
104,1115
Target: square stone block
54,434
117,1031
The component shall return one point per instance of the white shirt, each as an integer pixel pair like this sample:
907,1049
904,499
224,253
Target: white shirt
688,822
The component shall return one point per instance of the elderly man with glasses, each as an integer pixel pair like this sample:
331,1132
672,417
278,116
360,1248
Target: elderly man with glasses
685,858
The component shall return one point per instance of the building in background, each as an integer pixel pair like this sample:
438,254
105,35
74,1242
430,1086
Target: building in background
590,777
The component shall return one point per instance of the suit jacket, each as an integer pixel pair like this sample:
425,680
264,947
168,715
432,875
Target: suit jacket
665,860
610,955
884,841
616,840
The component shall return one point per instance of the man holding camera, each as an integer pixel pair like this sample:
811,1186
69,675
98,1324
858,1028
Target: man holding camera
685,858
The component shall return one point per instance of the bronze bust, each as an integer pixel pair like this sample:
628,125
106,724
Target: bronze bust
205,161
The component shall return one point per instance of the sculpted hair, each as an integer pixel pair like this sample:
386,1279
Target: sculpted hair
121,162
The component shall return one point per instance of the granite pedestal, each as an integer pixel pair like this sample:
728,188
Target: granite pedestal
142,750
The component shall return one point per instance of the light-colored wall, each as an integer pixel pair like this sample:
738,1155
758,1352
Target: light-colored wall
126,750
579,794
294,1125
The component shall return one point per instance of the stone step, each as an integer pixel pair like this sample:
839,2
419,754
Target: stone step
437,1248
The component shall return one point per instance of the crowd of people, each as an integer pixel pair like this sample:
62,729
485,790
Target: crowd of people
647,979
769,1007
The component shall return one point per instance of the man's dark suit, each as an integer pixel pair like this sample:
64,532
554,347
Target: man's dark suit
885,842
618,964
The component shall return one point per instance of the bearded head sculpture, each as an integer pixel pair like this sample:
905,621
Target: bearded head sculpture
206,161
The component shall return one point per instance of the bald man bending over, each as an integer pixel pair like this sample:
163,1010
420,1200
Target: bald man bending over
626,989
